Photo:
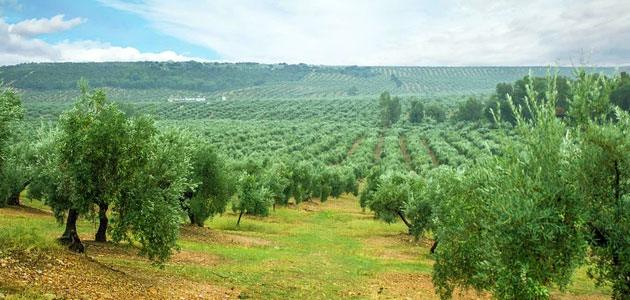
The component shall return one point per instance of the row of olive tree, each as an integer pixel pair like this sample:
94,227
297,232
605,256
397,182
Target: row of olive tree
12,153
99,163
392,195
265,183
515,224
474,109
518,223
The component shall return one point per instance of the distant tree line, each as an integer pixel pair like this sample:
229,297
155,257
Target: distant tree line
194,76
498,104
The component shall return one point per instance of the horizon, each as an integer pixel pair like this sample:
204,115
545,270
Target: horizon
327,65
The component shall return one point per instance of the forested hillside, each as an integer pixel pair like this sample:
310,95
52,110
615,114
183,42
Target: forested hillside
158,81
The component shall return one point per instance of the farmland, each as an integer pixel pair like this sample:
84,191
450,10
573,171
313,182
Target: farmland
309,181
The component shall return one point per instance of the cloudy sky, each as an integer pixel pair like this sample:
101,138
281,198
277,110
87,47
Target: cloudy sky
333,32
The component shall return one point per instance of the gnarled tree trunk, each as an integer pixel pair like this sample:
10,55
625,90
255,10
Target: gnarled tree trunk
191,217
70,237
101,234
435,244
14,199
402,216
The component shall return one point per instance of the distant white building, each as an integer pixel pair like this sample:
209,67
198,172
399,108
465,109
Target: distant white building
188,99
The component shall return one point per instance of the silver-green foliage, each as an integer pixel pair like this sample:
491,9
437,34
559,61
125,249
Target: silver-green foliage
10,113
518,223
254,198
98,156
211,186
149,211
600,176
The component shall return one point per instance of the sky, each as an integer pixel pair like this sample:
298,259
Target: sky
328,32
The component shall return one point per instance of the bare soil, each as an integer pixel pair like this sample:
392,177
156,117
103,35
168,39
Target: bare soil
65,275
355,145
210,236
431,154
379,148
403,148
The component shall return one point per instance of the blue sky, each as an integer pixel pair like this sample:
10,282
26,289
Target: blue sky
104,24
340,32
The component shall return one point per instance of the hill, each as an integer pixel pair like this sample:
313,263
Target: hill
159,81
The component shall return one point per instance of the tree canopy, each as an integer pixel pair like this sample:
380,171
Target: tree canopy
416,111
519,222
436,112
100,160
390,109
211,186
11,112
470,110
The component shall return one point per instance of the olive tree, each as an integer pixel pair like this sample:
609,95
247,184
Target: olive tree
210,186
470,110
302,181
390,109
93,152
17,170
517,223
436,112
149,210
416,111
100,159
10,113
348,180
51,184
600,174
254,198
278,178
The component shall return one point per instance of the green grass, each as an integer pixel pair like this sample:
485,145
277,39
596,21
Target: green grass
29,294
23,237
312,253
330,250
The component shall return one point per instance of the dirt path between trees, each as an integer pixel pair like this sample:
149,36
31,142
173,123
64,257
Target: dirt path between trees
379,148
431,154
403,148
356,145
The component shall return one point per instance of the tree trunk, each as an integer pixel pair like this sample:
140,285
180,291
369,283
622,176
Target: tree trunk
192,218
70,237
14,199
435,244
238,223
402,216
101,234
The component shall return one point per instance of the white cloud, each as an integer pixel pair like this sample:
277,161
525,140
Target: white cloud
34,27
18,46
99,52
398,32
